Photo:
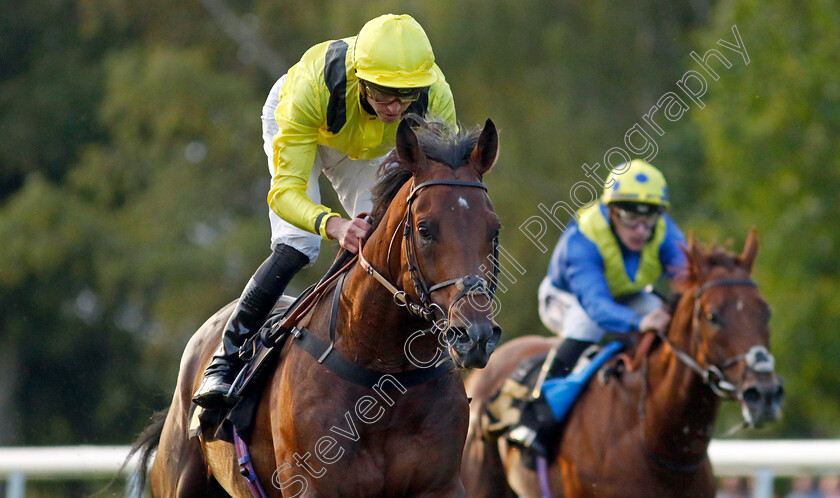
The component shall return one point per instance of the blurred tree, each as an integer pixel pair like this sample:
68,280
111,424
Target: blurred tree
770,133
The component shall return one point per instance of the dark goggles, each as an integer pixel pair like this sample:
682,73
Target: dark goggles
385,95
633,220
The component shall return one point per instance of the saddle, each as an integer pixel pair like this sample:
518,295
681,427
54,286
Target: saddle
522,401
259,354
262,351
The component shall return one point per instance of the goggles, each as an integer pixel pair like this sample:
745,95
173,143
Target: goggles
632,221
384,95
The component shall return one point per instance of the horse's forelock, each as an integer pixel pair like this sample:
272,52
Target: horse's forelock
447,146
440,143
700,263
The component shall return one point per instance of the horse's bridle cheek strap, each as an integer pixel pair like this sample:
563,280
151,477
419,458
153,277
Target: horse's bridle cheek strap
466,285
758,358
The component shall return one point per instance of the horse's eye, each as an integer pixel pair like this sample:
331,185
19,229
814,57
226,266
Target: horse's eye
496,233
424,232
713,318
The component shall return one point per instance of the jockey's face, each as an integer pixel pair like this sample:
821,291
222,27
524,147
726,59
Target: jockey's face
389,106
634,230
388,113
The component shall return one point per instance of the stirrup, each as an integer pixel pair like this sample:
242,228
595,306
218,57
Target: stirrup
526,438
215,395
523,435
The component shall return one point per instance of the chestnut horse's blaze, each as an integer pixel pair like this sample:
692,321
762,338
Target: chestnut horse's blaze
317,434
646,433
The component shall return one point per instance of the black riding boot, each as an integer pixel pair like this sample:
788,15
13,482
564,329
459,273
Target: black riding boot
565,357
534,430
256,302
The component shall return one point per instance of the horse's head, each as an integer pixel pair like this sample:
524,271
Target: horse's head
449,233
731,319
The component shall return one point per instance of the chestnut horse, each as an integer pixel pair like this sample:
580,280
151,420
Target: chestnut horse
646,432
319,433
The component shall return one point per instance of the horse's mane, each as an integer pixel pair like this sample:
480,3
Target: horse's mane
439,142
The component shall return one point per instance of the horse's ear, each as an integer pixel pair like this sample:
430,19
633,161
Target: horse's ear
408,149
693,257
747,256
486,151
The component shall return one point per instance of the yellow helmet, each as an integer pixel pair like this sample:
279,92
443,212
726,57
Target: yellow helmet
638,182
393,51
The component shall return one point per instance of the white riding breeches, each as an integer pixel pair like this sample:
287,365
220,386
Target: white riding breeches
562,313
351,179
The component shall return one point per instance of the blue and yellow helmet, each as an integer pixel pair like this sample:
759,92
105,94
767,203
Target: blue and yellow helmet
637,182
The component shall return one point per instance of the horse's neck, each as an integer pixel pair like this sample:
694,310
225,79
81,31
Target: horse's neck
680,409
373,330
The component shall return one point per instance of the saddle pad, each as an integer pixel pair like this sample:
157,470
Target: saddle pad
504,409
561,393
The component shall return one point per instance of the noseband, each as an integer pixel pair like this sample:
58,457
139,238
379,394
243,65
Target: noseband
758,359
467,285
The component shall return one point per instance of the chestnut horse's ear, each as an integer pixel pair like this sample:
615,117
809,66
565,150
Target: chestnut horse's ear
408,149
747,256
486,151
693,257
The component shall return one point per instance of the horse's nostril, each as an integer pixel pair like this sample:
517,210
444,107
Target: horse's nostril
459,336
751,395
497,332
780,393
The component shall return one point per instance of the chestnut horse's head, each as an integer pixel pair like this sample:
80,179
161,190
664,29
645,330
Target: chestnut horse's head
730,320
448,232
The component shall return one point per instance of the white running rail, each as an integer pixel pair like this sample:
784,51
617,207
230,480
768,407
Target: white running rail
762,459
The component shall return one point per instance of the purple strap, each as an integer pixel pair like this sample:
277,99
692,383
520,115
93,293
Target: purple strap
245,467
542,475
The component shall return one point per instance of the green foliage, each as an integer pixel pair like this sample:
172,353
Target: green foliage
770,138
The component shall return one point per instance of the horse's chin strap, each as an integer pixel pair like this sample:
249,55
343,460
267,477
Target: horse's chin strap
711,375
401,299
468,285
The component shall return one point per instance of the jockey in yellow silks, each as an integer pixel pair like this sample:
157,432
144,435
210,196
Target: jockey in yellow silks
335,112
601,265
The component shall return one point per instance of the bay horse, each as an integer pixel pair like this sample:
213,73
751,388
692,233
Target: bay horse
645,432
319,433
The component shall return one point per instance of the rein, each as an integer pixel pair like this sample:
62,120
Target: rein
758,359
466,285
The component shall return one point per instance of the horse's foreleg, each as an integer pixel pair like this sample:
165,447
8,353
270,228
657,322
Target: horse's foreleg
482,471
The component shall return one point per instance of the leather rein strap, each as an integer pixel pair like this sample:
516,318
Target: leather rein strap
469,284
758,358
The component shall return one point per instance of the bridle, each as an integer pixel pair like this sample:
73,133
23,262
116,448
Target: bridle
467,285
757,358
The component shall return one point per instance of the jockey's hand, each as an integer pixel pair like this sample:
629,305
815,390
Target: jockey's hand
657,320
347,232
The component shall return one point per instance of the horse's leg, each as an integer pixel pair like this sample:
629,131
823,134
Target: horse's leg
484,464
523,481
481,469
222,459
179,469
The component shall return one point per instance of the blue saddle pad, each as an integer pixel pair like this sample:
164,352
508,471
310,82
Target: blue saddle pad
561,393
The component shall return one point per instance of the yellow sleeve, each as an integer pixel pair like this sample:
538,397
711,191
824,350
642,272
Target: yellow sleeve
299,117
